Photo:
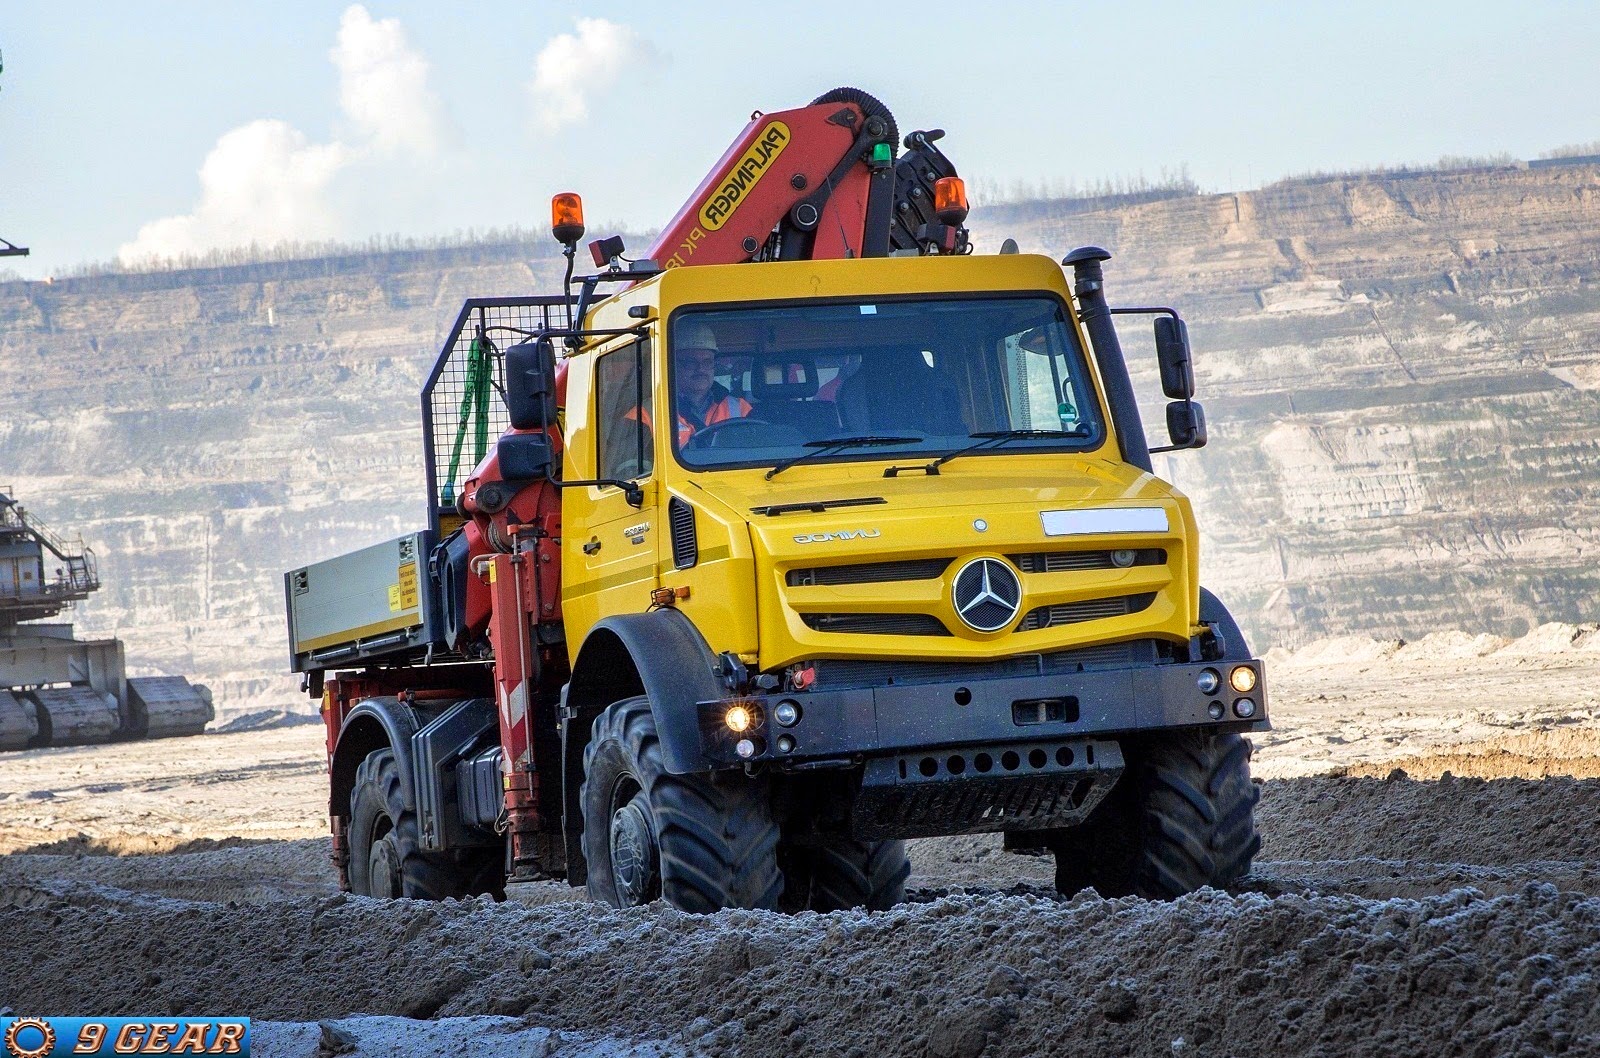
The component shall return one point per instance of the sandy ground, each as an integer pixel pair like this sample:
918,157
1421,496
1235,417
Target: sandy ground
1430,883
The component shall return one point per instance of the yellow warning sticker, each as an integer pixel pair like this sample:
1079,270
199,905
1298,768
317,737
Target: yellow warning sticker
405,593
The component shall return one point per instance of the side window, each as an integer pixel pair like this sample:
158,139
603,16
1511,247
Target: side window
622,386
1043,392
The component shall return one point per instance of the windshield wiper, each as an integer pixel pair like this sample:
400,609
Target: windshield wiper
836,444
986,439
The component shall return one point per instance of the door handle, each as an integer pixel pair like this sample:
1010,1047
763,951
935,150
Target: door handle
591,547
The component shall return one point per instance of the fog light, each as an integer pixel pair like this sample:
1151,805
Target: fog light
1244,708
786,743
786,713
1242,679
739,718
1208,681
1123,558
1216,710
747,748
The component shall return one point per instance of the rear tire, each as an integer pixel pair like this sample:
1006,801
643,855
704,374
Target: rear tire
386,856
846,873
1182,817
701,842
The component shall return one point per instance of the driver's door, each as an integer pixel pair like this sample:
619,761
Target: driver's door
616,542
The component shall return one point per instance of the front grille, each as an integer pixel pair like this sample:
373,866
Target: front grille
834,674
685,545
1068,613
881,624
1064,561
869,572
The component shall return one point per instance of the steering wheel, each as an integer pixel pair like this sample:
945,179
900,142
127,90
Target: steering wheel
726,434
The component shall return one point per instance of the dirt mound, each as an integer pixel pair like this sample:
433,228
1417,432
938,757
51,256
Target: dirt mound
1438,646
132,845
1556,638
1558,751
240,872
1552,638
963,975
1456,820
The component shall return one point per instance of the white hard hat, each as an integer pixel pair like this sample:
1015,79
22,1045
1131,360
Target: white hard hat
695,335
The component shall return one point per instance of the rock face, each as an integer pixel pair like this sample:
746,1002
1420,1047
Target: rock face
1402,378
206,430
1400,372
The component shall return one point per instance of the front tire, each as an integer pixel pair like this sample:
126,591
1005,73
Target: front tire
1182,817
845,873
701,842
386,856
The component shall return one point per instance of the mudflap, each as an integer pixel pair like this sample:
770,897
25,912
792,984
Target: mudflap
982,789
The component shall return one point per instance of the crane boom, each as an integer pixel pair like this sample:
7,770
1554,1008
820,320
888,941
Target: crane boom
819,182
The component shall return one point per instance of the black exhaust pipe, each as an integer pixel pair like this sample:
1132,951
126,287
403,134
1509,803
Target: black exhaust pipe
1089,286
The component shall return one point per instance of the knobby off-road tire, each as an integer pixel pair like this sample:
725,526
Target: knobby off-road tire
846,873
700,843
386,856
1182,817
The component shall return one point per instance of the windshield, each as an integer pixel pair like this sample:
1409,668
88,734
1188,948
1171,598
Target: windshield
765,385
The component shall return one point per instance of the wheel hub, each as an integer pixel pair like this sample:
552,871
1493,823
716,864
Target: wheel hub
383,868
634,860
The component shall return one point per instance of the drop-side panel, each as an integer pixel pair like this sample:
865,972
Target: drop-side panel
365,604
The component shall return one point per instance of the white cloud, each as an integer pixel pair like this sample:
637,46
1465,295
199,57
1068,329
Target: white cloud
383,83
265,182
569,70
262,183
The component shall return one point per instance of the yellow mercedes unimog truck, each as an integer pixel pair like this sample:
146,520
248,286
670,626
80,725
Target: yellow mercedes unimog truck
778,563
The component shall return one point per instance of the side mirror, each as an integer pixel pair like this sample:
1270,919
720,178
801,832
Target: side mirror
531,384
525,456
1186,425
1172,352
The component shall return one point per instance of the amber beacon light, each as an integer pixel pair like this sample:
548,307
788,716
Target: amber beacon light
950,200
566,217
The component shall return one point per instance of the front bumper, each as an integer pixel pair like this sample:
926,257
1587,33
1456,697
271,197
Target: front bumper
851,724
1019,753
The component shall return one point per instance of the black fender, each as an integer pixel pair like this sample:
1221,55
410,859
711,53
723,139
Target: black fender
659,654
1213,613
373,724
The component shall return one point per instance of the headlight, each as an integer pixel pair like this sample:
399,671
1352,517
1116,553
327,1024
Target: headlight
1242,679
1244,708
1208,681
786,713
1123,558
739,718
748,747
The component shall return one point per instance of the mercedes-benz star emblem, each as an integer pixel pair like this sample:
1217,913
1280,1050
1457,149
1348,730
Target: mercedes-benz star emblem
987,594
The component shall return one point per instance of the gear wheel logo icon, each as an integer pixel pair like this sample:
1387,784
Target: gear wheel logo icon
20,1041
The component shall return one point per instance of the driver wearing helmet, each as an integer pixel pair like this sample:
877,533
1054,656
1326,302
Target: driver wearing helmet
702,401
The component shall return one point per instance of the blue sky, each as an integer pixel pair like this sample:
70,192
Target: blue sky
324,120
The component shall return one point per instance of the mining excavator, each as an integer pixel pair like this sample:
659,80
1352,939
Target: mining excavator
805,532
56,690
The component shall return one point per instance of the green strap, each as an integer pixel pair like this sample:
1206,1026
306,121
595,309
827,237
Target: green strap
474,411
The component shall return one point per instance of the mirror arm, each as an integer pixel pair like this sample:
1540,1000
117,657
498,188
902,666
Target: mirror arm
1146,310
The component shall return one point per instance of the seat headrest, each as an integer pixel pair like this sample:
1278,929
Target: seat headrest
789,376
